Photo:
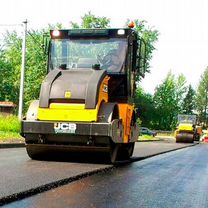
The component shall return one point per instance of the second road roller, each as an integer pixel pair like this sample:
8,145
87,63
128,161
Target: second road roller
187,130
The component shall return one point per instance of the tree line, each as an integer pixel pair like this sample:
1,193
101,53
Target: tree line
158,111
172,97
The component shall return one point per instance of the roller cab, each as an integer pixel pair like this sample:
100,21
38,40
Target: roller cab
86,99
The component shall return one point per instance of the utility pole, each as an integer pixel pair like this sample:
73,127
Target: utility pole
21,93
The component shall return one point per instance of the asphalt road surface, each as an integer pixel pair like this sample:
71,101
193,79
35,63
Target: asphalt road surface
175,179
20,176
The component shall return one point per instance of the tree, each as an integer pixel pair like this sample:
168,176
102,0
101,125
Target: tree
164,99
168,98
6,71
202,97
150,37
188,104
12,64
89,20
145,107
35,66
180,90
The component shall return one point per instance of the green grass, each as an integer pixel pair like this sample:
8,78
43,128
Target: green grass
9,124
146,137
9,129
6,136
165,134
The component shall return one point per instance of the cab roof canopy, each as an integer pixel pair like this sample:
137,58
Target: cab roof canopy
91,33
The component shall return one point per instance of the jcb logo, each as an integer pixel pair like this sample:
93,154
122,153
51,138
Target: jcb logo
65,127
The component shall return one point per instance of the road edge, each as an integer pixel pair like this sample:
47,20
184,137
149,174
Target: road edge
11,145
135,159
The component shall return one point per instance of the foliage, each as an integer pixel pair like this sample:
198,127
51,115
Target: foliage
36,65
181,89
6,71
188,104
161,110
145,137
150,37
202,97
9,129
145,107
168,98
11,67
89,20
165,103
9,136
9,124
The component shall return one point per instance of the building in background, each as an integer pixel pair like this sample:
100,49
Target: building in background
7,108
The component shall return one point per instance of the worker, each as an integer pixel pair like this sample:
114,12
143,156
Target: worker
115,58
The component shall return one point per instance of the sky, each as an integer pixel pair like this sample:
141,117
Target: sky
182,46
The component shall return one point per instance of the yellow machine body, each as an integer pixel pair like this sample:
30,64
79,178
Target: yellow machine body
74,111
185,127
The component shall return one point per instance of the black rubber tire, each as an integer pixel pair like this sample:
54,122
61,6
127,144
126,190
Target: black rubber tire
126,151
34,153
114,152
131,148
119,152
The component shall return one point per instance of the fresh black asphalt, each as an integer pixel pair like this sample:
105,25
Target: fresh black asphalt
176,179
20,176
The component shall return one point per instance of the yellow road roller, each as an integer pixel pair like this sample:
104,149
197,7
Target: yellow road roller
187,131
86,99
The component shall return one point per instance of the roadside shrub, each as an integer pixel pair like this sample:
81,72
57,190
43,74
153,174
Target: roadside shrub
9,124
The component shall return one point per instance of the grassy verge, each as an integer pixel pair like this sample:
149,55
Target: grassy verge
6,136
165,134
9,129
146,137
